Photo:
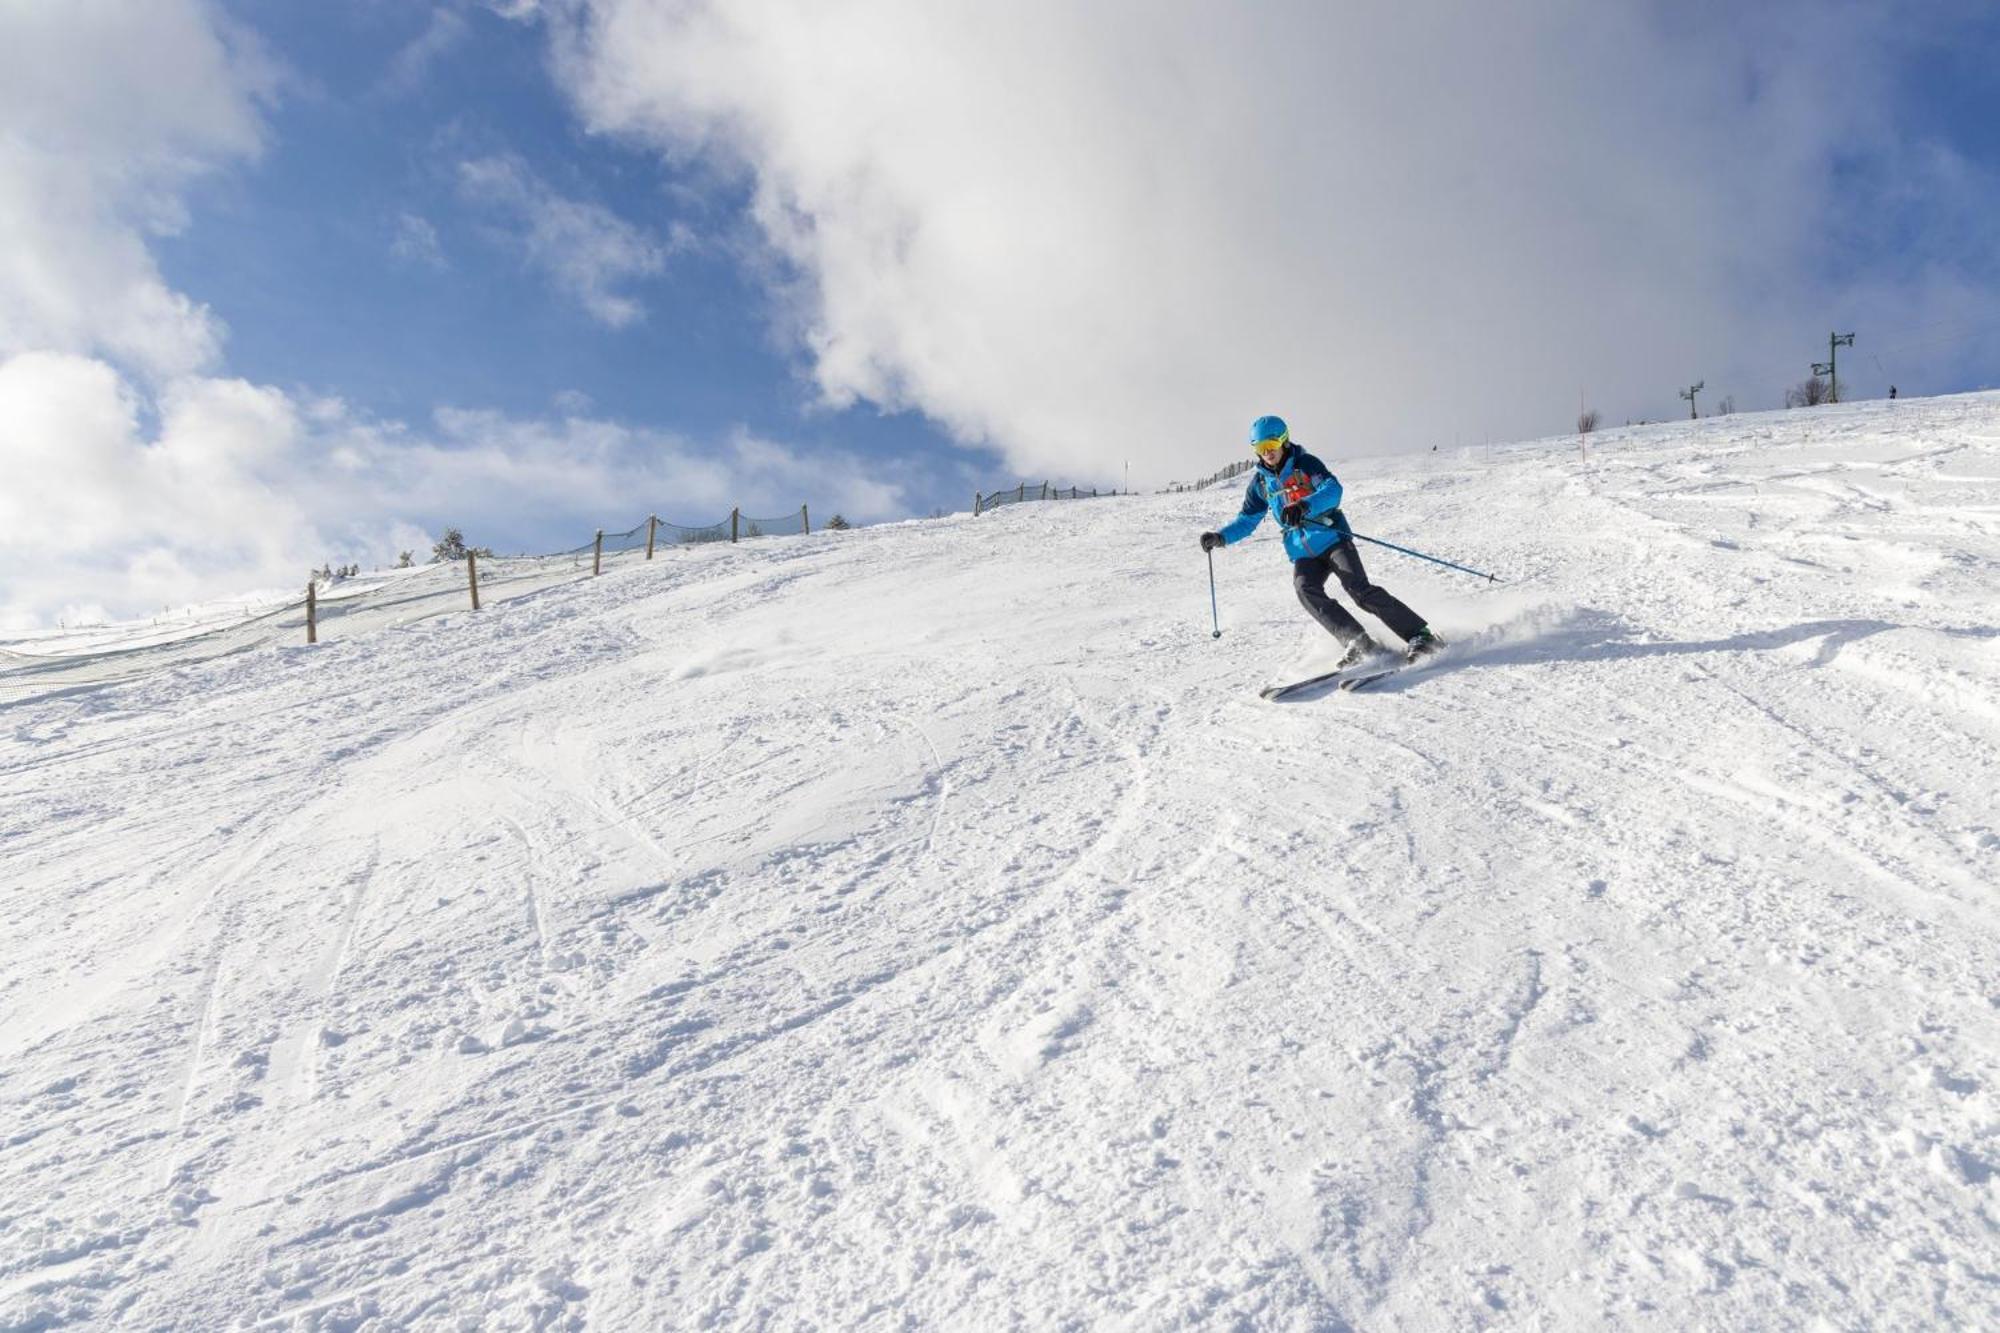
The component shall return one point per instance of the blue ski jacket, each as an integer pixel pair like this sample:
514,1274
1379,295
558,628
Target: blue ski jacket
1298,476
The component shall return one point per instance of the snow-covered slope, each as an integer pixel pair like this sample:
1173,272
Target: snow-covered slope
927,926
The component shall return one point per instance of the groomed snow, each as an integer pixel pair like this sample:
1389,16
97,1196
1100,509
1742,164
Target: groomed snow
927,926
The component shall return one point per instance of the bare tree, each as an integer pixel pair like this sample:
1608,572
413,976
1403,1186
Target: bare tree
1585,423
406,559
1809,393
1727,407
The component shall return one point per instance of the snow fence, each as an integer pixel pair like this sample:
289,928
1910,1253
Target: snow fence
981,502
1236,469
343,608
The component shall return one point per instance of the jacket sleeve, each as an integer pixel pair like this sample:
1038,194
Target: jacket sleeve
1255,506
1326,487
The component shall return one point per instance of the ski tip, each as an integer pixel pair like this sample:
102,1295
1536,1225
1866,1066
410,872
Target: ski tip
1311,686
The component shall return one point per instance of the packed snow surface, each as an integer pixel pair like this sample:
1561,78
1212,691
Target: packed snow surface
928,926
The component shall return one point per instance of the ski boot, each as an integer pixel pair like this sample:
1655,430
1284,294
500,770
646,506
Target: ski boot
1422,644
1359,650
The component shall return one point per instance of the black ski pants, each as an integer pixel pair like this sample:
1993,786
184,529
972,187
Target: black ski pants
1309,581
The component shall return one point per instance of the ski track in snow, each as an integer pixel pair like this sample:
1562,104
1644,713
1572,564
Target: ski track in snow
927,926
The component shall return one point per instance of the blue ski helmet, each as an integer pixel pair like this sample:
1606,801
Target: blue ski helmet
1269,428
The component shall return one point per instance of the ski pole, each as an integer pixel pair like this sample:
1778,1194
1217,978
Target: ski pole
1213,613
1490,578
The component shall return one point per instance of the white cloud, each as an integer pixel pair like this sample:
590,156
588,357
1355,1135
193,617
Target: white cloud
109,516
586,250
242,487
416,242
139,477
412,64
834,482
1066,228
111,111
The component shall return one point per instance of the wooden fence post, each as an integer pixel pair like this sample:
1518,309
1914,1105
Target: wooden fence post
733,515
652,525
312,613
472,575
976,498
597,555
806,519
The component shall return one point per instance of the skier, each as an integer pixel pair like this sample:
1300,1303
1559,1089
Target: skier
1297,487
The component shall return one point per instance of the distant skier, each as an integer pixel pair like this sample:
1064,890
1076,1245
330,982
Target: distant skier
1297,487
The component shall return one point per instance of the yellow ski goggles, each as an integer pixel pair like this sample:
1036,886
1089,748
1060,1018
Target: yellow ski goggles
1271,447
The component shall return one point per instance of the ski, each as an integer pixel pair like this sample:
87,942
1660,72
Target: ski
1348,678
1363,681
1293,687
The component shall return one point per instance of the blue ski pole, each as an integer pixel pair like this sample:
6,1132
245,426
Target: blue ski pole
1490,578
1213,613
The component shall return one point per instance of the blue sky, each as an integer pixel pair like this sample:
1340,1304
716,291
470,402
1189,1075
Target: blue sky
355,259
291,283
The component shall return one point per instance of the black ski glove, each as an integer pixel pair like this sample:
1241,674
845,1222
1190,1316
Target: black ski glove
1293,515
1211,540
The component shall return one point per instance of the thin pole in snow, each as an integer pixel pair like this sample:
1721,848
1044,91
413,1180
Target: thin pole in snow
1215,615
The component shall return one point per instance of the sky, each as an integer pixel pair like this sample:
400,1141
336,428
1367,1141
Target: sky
288,284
